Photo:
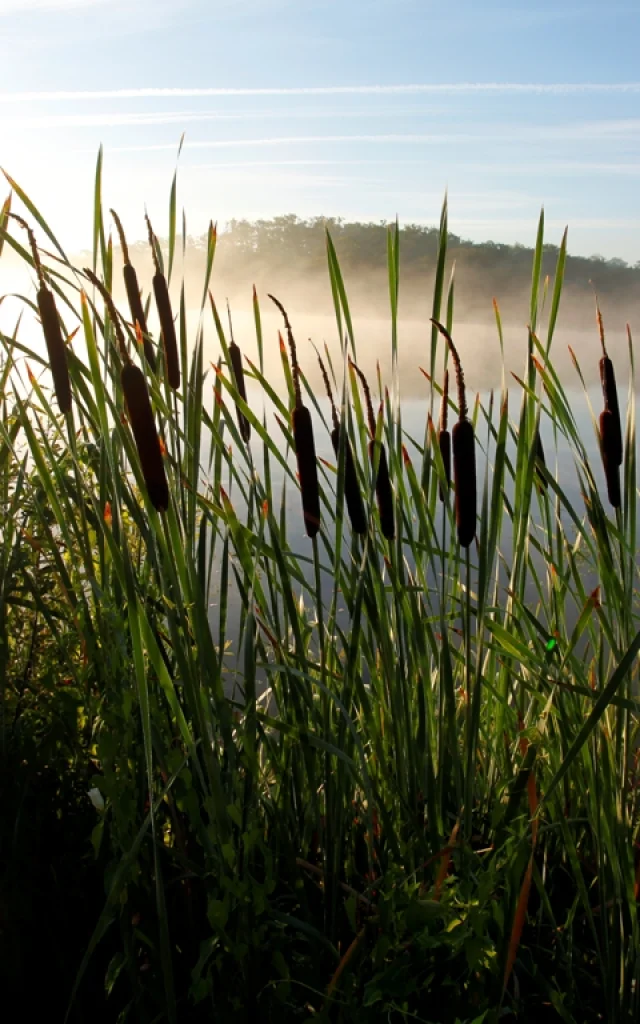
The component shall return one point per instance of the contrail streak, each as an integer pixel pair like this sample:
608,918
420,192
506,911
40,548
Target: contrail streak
439,88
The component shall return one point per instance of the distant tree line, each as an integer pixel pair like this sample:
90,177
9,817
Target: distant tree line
272,251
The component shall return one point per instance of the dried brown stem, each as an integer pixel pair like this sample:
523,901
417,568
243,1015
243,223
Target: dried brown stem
367,398
327,384
153,243
34,247
120,230
295,368
113,313
444,408
462,398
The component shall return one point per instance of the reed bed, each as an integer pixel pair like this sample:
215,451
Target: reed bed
402,784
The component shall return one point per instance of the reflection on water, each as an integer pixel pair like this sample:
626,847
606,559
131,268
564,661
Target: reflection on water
561,463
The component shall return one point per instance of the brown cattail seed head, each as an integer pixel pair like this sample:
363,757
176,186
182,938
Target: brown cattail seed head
167,326
384,494
133,294
353,497
50,324
145,435
235,355
609,450
464,473
610,393
307,468
137,311
55,347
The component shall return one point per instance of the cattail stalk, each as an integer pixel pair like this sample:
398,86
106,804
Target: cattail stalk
610,393
353,497
133,295
384,493
56,348
235,355
165,315
303,440
464,455
140,413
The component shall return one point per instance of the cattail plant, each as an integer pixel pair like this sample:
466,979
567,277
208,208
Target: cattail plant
165,315
610,393
235,355
133,295
353,497
384,494
303,440
139,411
56,348
464,455
444,438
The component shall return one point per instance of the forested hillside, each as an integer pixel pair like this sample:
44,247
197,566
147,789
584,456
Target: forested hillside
289,254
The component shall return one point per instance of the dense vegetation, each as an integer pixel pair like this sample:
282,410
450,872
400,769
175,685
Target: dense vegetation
288,248
405,787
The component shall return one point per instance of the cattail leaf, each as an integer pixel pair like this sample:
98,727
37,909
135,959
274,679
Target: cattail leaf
450,305
604,699
258,325
336,277
35,213
438,286
172,224
212,237
4,220
536,274
557,290
518,922
98,221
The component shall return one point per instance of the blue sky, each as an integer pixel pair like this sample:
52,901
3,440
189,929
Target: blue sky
356,109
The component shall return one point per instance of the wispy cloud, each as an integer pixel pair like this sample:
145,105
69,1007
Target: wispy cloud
117,119
549,167
285,140
22,6
532,133
435,88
